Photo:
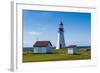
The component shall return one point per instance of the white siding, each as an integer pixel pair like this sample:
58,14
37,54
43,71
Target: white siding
40,50
60,40
35,50
49,48
43,49
71,50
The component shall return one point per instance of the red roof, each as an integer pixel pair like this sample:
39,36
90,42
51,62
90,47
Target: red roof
42,44
71,46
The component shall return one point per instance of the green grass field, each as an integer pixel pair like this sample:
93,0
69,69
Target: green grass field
56,55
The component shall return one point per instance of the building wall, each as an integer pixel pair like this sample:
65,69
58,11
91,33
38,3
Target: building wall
43,49
60,40
71,50
50,48
40,50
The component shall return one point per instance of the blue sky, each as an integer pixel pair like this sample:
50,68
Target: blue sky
43,25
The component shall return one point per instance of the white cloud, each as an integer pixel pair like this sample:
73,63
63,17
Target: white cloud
35,33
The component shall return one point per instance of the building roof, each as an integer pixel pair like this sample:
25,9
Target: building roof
42,44
71,46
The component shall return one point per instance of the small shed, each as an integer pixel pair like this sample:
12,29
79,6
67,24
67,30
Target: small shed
72,49
42,47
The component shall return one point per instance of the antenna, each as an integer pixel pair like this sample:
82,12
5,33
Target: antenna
37,39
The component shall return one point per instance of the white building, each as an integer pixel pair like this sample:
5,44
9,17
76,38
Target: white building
60,37
42,47
72,49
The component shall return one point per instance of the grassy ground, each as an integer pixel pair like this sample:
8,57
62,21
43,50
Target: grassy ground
56,55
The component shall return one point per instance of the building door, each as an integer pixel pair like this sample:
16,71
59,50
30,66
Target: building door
60,46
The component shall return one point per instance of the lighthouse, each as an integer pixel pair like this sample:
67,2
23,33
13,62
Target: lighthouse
60,37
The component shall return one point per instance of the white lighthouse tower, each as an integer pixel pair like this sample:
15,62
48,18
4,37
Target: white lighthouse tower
60,37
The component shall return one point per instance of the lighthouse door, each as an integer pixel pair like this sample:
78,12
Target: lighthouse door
60,46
